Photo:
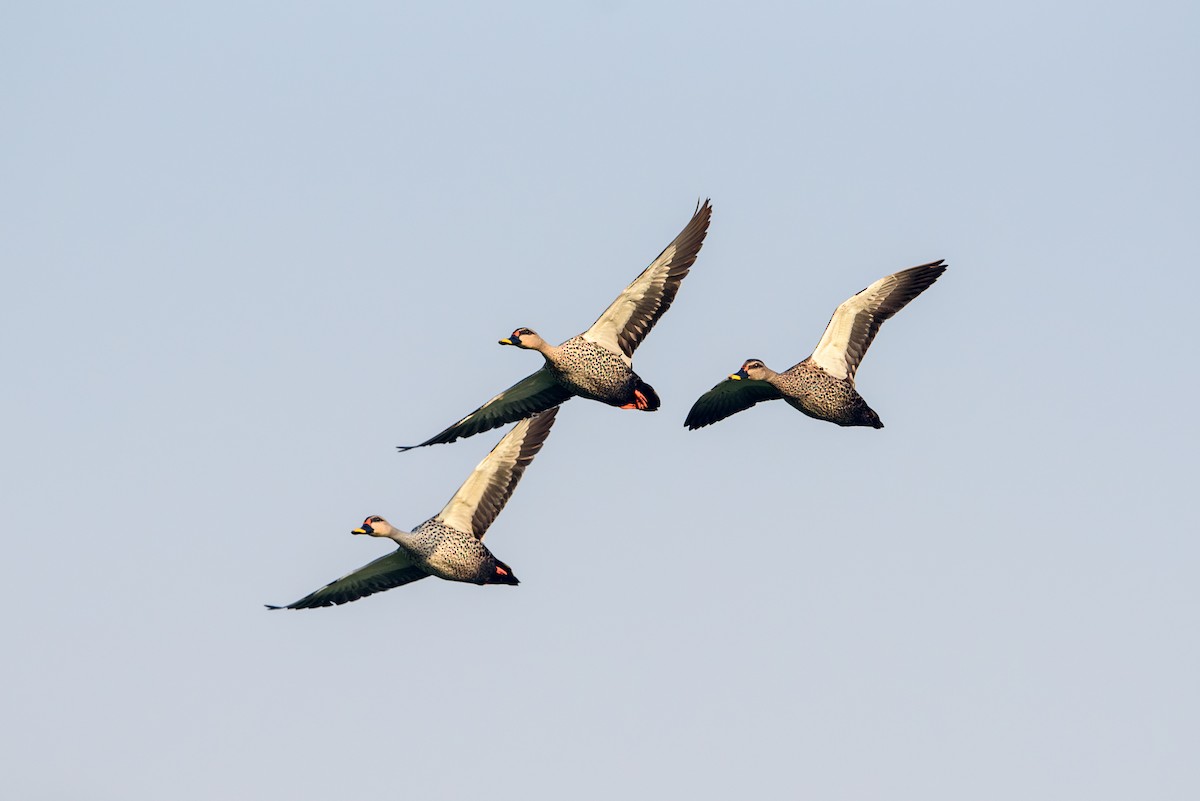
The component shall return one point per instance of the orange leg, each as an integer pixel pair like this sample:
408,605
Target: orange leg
640,403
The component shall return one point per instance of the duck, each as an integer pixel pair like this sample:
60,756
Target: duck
822,386
597,364
448,545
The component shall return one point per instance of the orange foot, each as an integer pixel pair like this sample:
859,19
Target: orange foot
641,402
501,571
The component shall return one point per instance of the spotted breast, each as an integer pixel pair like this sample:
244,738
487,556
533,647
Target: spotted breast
590,371
597,364
449,545
454,555
822,386
819,395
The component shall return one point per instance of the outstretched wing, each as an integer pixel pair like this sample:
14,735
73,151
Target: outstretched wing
626,322
856,322
727,398
389,571
488,488
530,395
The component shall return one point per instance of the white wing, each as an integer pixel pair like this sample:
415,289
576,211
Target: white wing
629,319
856,322
487,489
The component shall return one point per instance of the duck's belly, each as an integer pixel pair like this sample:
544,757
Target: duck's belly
454,555
592,372
824,397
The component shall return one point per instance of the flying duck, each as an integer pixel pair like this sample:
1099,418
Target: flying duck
450,544
822,386
597,364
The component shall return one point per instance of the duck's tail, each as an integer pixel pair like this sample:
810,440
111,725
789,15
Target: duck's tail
868,417
502,574
645,399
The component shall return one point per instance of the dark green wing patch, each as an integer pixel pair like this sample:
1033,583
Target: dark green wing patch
394,570
728,398
527,397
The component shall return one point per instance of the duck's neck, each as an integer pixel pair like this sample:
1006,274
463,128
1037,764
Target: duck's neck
549,352
403,538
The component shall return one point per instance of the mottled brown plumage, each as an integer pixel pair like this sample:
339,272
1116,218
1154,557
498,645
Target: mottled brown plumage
822,386
450,544
597,364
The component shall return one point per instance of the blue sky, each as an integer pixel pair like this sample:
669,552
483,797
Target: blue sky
250,248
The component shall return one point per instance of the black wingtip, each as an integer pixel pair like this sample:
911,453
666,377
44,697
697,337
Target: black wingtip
694,419
440,439
273,607
406,448
936,267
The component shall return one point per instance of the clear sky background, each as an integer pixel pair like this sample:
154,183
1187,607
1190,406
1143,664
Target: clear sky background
250,247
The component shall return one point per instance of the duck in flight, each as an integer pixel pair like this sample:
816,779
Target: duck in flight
597,364
822,386
449,545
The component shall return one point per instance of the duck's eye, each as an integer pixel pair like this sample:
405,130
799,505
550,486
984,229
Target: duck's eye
375,520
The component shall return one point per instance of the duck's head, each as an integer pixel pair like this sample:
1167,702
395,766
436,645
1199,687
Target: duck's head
375,526
523,338
753,370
